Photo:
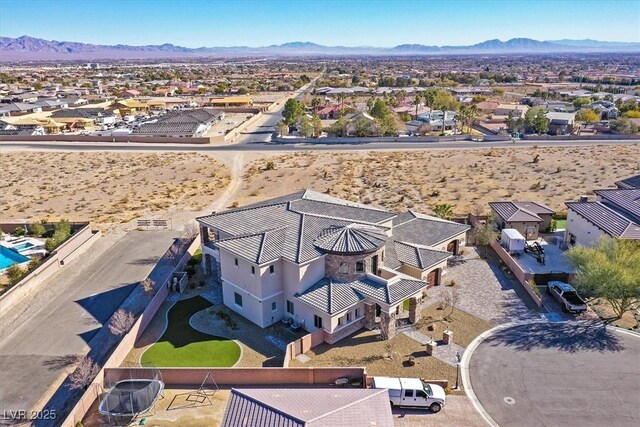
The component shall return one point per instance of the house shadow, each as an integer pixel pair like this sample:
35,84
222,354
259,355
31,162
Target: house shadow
569,337
101,306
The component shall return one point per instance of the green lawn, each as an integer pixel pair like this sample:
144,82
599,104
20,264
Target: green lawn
183,346
561,224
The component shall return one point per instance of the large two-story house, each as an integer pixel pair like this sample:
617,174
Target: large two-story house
326,263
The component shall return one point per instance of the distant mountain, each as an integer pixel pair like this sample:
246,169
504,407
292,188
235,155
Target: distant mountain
593,43
30,48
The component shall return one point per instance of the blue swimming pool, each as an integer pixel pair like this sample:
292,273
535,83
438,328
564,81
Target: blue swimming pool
9,257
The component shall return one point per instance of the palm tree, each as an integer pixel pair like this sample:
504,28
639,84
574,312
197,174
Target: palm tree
417,101
429,97
341,98
443,210
464,111
315,103
472,114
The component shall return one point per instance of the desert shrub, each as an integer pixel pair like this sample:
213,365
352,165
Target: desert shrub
33,263
15,273
38,229
20,231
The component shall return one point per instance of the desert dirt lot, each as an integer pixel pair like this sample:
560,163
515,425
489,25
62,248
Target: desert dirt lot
467,179
106,188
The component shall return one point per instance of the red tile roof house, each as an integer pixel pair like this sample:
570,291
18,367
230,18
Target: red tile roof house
326,263
529,218
329,112
130,93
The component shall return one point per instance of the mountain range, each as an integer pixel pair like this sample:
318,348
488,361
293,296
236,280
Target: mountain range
30,48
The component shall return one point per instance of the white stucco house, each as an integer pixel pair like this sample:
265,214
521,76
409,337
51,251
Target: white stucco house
614,213
326,263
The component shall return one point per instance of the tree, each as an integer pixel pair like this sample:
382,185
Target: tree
362,126
283,128
540,122
417,101
580,102
84,373
379,109
121,322
292,111
510,122
37,85
388,125
587,115
624,126
305,129
317,126
339,128
445,101
449,298
443,210
609,270
485,234
315,103
529,118
429,98
147,287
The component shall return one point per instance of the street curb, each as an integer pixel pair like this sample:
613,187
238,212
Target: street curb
468,352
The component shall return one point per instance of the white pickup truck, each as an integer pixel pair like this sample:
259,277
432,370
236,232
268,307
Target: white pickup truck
412,392
567,296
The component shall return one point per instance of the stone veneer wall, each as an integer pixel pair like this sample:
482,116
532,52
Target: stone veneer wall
333,261
332,338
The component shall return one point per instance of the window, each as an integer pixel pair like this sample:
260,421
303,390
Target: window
359,266
253,270
274,306
317,321
572,239
339,321
408,393
421,393
344,268
348,317
238,299
357,314
290,307
235,262
272,269
382,257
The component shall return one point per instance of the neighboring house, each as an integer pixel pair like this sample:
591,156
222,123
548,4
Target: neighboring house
518,110
84,118
487,106
231,101
329,112
308,407
130,107
326,263
129,93
529,218
561,123
615,213
631,182
18,108
606,109
188,123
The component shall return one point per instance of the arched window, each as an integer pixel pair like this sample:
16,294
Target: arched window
344,268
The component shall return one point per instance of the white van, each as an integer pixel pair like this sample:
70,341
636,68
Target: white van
412,392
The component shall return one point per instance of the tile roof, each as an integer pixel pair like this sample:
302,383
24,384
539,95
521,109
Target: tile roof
313,407
605,218
625,200
420,257
330,296
352,238
389,292
520,211
631,182
427,230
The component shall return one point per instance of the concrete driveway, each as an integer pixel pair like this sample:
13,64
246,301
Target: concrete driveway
35,355
558,374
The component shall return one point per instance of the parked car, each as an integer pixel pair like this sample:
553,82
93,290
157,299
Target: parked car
412,392
567,296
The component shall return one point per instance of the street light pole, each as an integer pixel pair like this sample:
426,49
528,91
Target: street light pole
457,370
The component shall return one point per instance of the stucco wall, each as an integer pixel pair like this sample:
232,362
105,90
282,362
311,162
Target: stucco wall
586,233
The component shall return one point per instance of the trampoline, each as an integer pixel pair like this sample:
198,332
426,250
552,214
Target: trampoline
129,398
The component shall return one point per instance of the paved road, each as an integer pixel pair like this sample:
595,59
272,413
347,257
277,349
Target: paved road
559,374
35,354
249,143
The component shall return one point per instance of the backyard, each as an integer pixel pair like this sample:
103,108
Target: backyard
181,345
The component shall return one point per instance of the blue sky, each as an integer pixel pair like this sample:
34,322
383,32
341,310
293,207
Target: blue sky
195,23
